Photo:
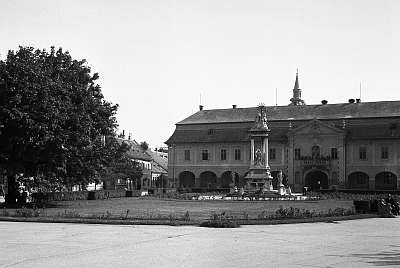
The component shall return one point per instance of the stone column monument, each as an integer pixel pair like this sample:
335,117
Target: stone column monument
259,177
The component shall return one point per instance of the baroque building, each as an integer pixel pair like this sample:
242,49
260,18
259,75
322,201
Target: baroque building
352,145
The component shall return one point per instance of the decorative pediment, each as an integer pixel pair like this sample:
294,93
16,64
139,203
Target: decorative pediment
316,127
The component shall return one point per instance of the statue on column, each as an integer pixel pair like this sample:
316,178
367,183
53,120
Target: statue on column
259,159
280,178
261,118
281,187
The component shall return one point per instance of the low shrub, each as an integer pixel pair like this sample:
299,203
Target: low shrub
69,214
5,212
351,195
220,221
296,213
25,212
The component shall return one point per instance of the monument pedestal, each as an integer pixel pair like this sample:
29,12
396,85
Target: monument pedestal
259,180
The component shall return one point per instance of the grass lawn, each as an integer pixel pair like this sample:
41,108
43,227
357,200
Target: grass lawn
198,210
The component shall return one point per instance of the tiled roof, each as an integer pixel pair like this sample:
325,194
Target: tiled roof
301,112
161,161
155,167
219,135
278,117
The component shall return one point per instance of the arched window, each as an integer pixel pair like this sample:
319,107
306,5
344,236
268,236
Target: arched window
358,180
186,179
385,181
208,179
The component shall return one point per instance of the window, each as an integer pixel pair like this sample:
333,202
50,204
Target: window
363,153
237,154
334,153
187,155
272,154
297,153
223,154
211,131
384,152
204,154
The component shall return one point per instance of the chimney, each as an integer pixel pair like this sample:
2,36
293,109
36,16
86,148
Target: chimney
358,100
234,106
351,100
129,136
201,107
123,134
324,102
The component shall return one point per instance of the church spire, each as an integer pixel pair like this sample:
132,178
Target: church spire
296,100
296,84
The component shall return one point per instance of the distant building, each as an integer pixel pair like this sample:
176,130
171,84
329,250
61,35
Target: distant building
352,145
154,166
140,156
159,170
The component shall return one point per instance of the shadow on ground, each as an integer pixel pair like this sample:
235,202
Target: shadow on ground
383,258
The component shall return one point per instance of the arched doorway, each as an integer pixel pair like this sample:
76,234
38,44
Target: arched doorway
385,181
358,180
208,180
316,180
186,179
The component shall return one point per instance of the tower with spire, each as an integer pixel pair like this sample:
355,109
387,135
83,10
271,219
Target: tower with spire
296,100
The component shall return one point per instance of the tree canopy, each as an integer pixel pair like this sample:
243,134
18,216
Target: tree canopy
53,118
144,145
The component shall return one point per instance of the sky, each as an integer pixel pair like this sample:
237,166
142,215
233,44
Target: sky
159,59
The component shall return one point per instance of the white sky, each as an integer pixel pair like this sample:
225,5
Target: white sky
155,58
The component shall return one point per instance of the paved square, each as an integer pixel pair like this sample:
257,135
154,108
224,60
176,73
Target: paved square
358,243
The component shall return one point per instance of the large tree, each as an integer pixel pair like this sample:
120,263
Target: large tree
53,119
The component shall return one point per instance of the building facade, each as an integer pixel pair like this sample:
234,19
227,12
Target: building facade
352,145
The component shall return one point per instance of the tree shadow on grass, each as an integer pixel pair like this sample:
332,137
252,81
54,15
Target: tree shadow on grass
383,258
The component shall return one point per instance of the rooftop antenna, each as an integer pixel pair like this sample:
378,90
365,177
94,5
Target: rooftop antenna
200,98
276,96
360,90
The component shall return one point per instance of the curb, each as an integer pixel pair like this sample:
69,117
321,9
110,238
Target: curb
182,223
308,220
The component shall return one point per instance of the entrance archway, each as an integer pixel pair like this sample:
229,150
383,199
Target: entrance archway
186,179
316,180
385,181
358,180
208,179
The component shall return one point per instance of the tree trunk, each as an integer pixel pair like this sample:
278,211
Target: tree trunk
12,192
